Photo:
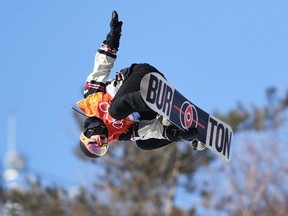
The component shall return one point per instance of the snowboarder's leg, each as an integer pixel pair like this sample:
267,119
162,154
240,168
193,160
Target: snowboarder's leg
154,128
152,143
154,135
124,105
128,98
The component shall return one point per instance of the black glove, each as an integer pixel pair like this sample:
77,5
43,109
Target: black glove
174,133
113,38
188,135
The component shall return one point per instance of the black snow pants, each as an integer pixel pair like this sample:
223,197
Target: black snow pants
128,100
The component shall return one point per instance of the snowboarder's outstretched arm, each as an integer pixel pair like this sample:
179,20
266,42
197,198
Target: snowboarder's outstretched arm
105,58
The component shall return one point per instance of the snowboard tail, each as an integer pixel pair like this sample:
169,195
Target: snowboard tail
164,99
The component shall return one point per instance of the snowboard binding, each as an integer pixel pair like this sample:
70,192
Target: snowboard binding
197,145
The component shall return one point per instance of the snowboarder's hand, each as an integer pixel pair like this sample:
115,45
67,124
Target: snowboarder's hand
115,24
113,38
173,133
188,135
119,78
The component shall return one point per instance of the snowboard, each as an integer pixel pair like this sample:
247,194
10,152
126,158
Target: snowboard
164,99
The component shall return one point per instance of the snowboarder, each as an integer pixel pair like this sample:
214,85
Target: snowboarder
115,110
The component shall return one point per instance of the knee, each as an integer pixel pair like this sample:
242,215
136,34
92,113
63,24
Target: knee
119,109
115,113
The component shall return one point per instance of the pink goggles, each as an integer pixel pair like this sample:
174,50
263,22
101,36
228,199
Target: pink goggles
93,147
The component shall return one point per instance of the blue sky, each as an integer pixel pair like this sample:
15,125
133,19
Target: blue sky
215,52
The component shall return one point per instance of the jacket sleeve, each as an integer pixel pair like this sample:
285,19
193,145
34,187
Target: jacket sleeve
104,62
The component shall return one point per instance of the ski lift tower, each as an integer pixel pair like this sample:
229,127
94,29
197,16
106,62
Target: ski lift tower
15,163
